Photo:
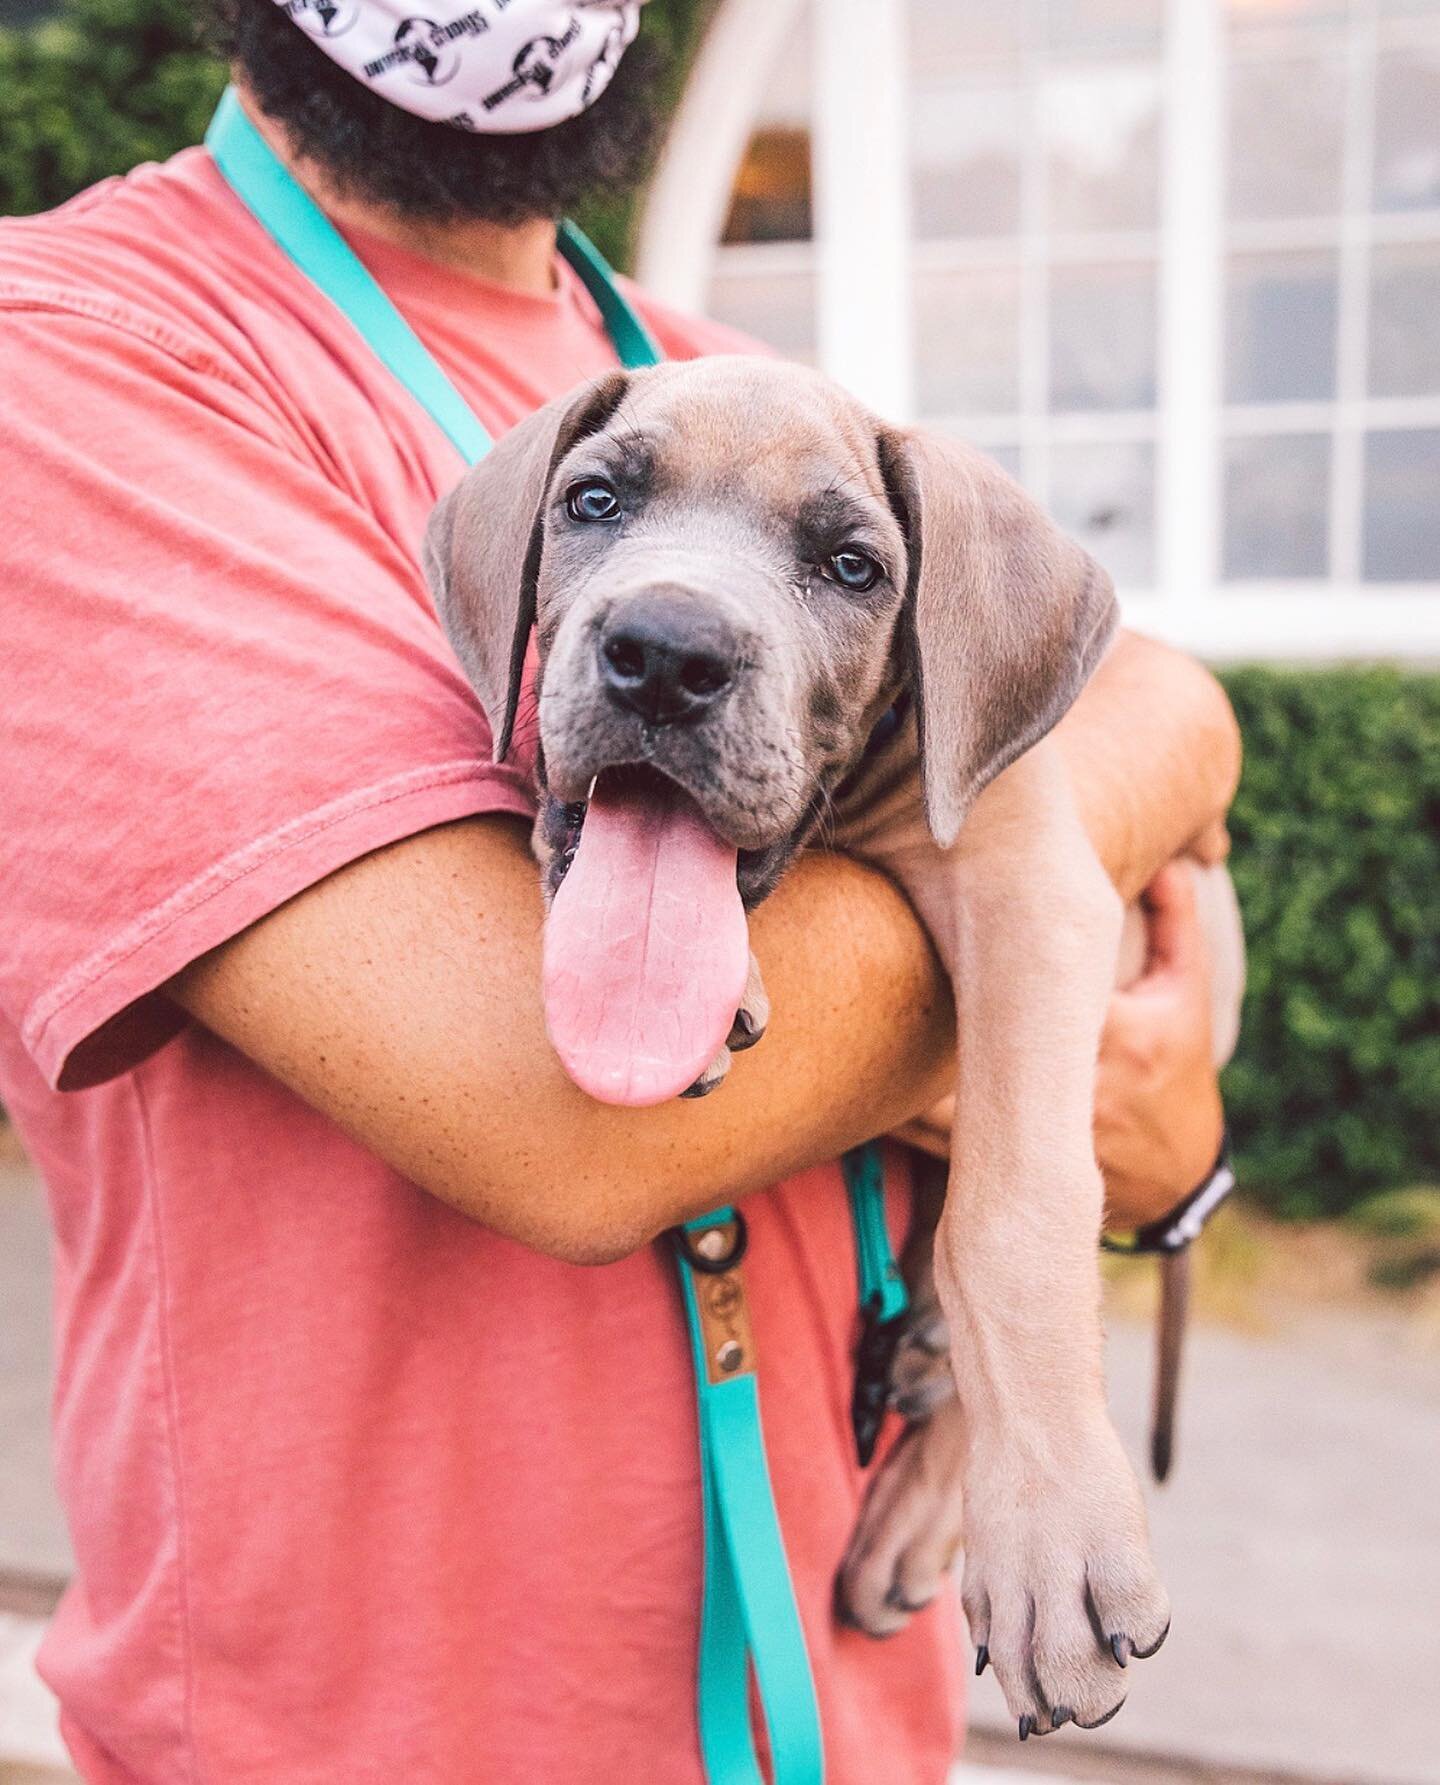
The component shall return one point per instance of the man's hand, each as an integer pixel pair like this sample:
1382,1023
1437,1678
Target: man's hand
1158,1117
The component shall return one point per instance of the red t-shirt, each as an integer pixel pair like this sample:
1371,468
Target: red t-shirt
358,1490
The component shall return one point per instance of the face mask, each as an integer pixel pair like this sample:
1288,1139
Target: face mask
499,67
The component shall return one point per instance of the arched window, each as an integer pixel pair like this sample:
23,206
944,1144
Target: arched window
1176,263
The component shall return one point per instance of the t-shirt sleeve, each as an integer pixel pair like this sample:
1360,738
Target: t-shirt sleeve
223,679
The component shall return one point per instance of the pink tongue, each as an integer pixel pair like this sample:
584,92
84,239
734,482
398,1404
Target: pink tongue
646,949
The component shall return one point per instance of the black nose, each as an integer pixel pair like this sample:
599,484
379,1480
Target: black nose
666,658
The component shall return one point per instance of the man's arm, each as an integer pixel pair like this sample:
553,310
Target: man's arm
1153,753
401,998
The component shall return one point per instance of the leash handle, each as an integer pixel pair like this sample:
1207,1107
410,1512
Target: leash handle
749,1612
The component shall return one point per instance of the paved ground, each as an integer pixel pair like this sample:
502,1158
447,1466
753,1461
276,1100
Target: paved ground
1300,1539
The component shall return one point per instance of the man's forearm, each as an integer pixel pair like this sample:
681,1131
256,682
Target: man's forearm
1153,754
401,998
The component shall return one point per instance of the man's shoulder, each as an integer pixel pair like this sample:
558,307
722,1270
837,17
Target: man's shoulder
683,335
138,251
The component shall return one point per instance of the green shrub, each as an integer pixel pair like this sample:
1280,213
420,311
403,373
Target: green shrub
1335,1091
95,88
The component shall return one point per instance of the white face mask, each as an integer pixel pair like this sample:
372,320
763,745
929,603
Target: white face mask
498,67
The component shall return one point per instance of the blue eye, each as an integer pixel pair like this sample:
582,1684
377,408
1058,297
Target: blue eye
592,500
854,570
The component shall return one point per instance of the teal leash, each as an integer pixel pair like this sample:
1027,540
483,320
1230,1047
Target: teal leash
749,1614
883,1299
311,241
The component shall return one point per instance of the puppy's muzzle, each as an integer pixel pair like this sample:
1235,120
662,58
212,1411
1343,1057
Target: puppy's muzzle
666,656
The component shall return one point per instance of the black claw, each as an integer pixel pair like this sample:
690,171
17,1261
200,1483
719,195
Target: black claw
1027,1727
1062,1714
1154,1649
1120,1649
982,1659
1100,1721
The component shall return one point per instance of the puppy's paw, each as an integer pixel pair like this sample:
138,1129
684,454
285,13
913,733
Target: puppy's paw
753,1017
921,1380
909,1529
1059,1588
712,1077
751,1021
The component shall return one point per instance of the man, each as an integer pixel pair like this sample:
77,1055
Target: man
366,1477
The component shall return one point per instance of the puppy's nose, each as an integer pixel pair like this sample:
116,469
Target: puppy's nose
666,659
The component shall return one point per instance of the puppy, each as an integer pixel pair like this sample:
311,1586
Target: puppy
762,616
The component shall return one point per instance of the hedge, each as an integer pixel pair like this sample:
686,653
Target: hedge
1336,1089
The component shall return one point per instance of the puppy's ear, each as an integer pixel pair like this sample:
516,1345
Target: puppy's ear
484,542
1006,617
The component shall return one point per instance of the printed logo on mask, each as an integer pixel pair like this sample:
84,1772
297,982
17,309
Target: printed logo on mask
492,66
536,66
323,18
429,50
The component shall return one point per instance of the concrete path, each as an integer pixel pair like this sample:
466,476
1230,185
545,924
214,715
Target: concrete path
1300,1540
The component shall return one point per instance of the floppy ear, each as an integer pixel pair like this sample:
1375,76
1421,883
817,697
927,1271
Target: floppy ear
1006,616
483,545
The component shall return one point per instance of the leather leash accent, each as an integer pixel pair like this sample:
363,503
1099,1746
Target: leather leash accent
1170,1239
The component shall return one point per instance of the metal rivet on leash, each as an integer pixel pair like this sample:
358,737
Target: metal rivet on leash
712,1244
730,1356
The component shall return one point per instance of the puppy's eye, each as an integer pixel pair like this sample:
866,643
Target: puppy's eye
854,570
592,500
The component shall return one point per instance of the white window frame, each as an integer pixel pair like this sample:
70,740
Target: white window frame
864,308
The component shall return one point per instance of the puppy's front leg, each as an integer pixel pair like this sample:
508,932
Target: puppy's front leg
1059,1587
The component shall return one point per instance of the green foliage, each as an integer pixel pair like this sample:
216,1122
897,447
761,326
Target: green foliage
94,89
1335,1092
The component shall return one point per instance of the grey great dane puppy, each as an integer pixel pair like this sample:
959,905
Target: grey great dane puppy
735,574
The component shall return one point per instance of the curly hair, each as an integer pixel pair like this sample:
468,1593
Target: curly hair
375,151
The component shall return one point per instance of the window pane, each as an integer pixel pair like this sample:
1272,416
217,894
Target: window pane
1407,131
1102,24
1286,124
1405,321
1101,131
1280,343
945,35
1268,15
966,147
1402,516
775,304
770,200
968,342
1008,458
1104,496
1102,337
1277,499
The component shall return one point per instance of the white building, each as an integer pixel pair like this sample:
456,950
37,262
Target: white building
1174,262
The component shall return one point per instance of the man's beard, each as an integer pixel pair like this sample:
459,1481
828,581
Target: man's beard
375,151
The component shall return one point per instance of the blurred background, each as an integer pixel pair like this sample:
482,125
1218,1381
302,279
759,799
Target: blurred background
1176,264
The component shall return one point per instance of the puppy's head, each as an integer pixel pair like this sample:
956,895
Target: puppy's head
732,569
